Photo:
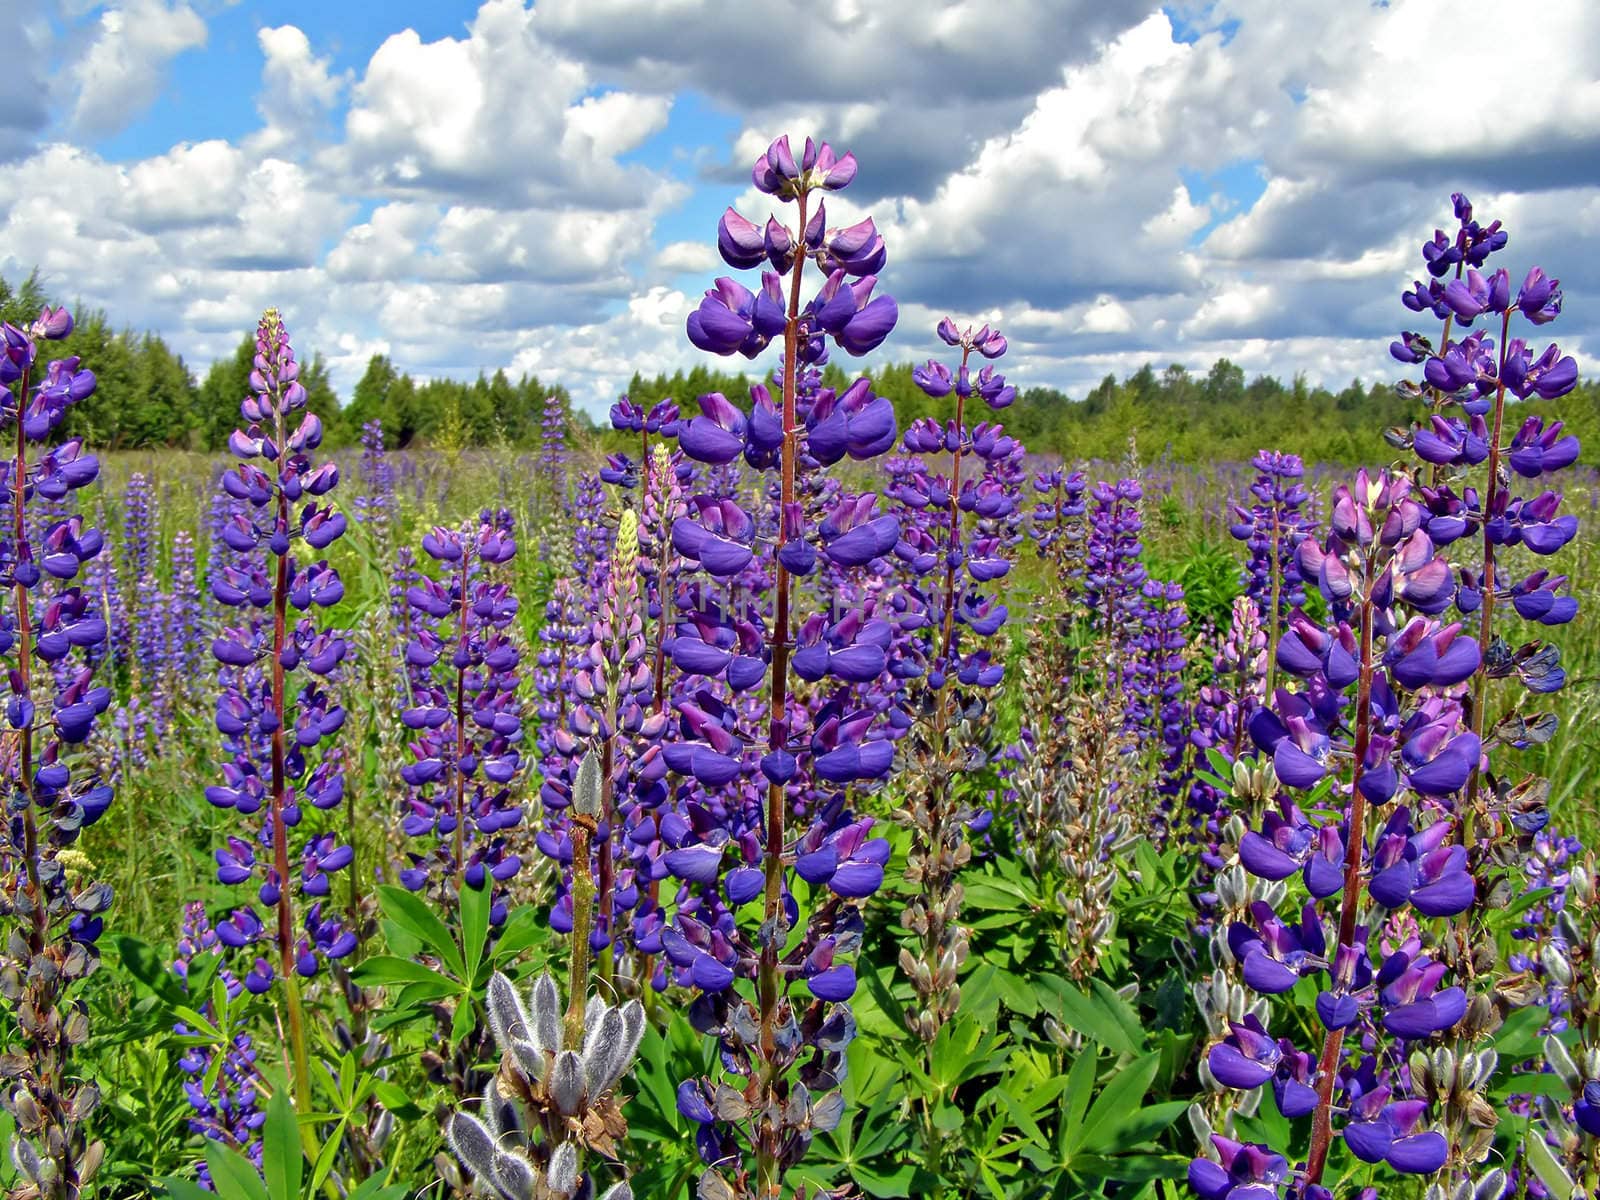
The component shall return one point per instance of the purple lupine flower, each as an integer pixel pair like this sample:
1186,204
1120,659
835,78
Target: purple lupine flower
1406,733
376,505
971,520
1491,501
553,450
138,527
1154,677
1272,528
272,738
464,715
1114,571
743,766
225,1101
50,629
1240,1172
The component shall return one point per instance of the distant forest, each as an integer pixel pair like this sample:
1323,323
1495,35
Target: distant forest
148,396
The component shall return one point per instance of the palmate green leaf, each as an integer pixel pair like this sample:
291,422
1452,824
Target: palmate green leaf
185,1189
414,917
1080,1088
1021,1117
326,1156
1116,1104
994,895
1095,1017
892,1185
200,1024
396,1099
1550,1085
980,995
1132,1168
282,1162
1019,994
1138,1128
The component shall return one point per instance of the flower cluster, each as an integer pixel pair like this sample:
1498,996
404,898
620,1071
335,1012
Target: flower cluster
1272,528
48,630
229,1110
1475,471
274,770
375,506
957,530
465,716
553,453
1406,737
1114,570
1057,525
954,554
1492,500
731,845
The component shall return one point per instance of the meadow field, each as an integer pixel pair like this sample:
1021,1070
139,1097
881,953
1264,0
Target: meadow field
801,791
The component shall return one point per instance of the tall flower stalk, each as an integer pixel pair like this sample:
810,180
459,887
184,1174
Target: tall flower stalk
1476,466
553,1101
807,426
956,532
1401,734
466,718
270,734
48,632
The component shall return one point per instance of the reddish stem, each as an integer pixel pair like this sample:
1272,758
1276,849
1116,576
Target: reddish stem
1355,850
767,980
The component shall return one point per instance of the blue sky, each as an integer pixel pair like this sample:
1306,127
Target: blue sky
468,187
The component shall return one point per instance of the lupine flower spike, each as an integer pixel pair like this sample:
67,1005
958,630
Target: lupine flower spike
50,631
271,734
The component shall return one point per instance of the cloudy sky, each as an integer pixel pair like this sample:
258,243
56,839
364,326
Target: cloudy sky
536,186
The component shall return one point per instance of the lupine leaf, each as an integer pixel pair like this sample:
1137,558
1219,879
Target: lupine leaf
186,1189
1117,1101
522,929
1093,1018
474,929
1080,1088
233,1175
281,1159
1542,1084
388,968
416,918
323,1167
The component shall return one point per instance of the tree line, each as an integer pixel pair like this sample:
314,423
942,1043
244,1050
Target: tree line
148,396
